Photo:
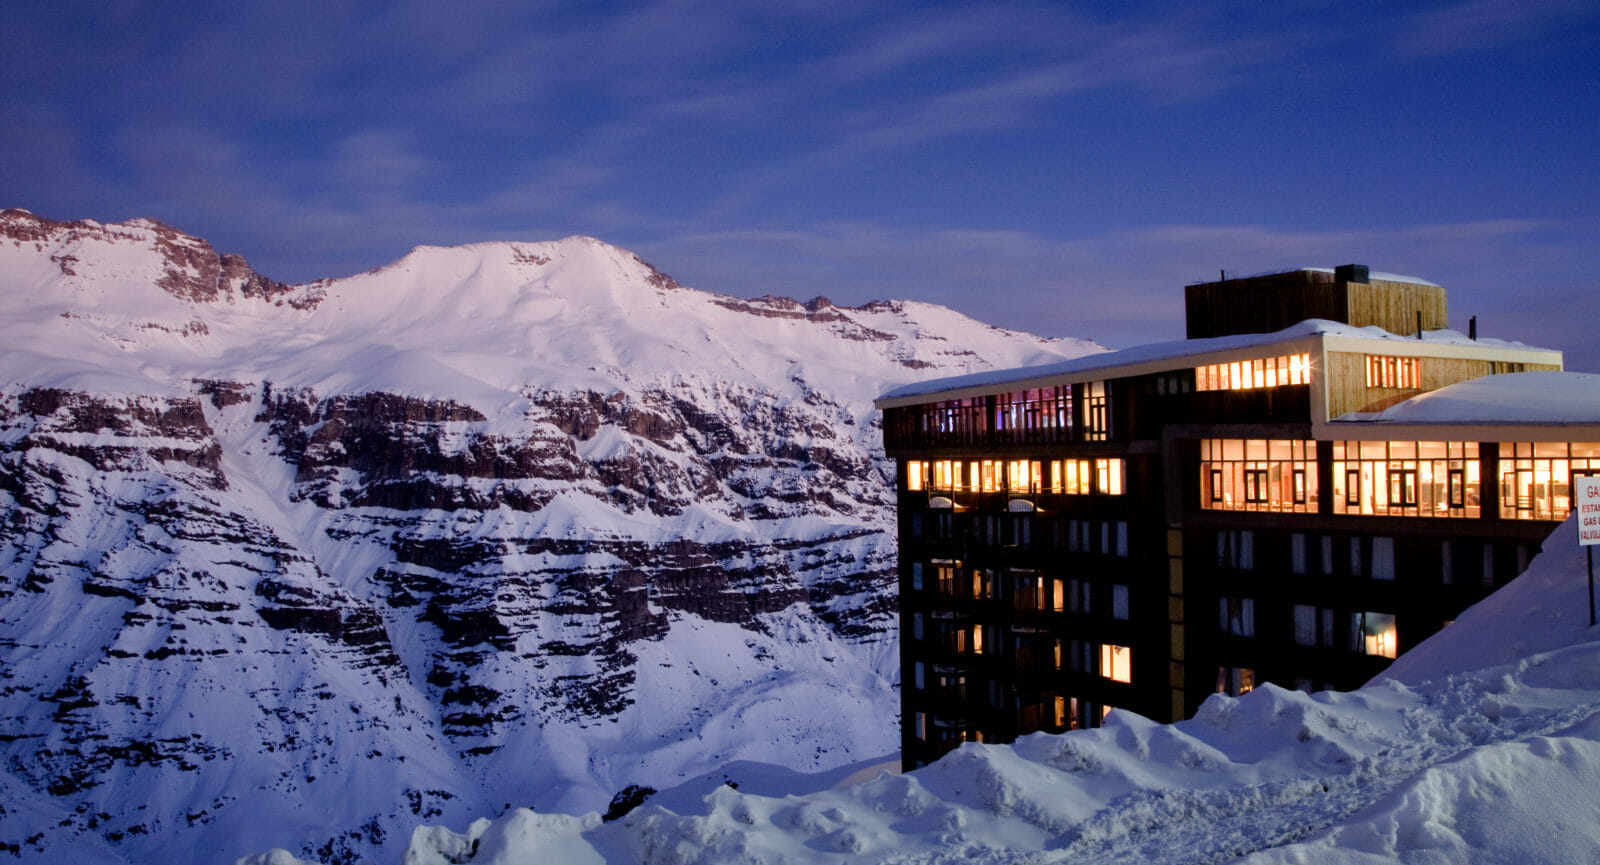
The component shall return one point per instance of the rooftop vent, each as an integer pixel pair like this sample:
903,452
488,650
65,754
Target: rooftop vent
1351,273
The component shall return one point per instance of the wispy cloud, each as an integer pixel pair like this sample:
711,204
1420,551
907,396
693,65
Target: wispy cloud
1125,288
1480,24
1028,161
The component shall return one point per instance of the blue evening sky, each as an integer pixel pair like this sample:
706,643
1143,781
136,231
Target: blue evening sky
1062,168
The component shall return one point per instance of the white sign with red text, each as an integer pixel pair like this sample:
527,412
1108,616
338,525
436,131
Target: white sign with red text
1586,495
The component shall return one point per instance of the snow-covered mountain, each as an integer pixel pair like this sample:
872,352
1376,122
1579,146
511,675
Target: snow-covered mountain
1481,745
515,523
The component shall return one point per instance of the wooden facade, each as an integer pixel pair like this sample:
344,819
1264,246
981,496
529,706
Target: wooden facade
1347,376
1264,304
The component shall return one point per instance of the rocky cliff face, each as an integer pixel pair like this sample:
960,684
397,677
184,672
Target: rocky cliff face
505,524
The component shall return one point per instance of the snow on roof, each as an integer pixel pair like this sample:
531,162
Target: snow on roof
1377,275
1518,397
1178,349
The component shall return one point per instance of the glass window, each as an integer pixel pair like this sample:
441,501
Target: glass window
1236,549
1393,372
1536,477
1081,477
1116,663
1258,475
1254,373
1383,558
1417,479
1108,476
1237,616
1235,681
1378,634
1305,625
1097,412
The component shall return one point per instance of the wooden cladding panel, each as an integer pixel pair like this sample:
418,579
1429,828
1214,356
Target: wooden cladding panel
1250,306
1347,380
1393,306
1270,303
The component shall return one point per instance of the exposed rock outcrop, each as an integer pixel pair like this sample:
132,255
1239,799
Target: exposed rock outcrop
507,523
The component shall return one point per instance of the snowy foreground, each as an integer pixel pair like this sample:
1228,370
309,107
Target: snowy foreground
1482,745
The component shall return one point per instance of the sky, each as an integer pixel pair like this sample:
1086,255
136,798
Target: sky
1062,168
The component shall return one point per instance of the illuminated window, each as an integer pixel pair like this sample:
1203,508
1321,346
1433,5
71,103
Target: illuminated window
1259,475
1116,663
989,472
1536,477
1235,681
1402,486
1072,714
1097,412
1392,372
915,470
1081,477
1024,477
1378,634
1255,486
1029,591
983,584
1416,479
1035,415
1290,369
1108,476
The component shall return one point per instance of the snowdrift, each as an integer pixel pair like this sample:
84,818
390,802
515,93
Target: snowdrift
1481,745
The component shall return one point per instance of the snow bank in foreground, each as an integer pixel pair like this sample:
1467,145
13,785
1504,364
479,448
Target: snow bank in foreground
1497,764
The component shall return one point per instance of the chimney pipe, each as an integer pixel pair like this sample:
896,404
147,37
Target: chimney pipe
1472,328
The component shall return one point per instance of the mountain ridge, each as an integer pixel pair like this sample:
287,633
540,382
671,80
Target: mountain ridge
516,522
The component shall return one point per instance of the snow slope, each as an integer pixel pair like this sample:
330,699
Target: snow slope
303,565
1480,745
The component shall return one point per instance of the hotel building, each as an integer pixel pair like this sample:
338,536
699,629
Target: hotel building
1319,477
